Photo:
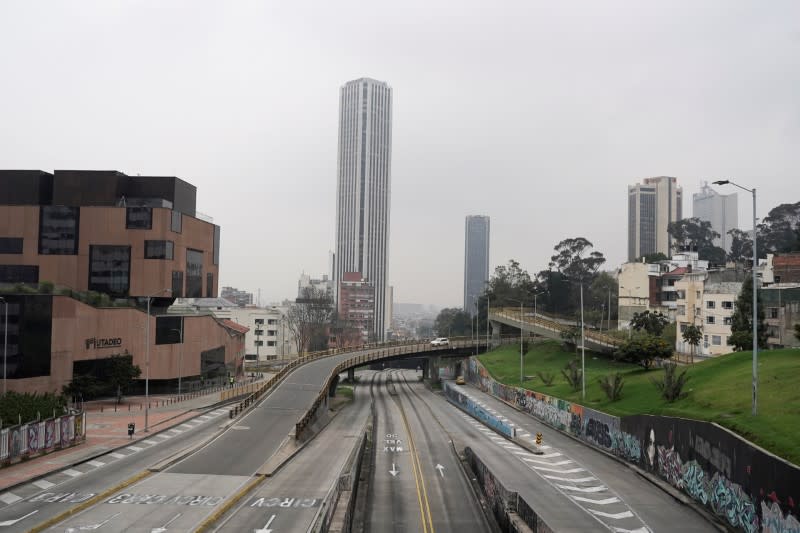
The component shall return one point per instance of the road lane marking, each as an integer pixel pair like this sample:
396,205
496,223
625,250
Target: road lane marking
604,501
116,455
134,448
43,484
186,426
615,516
14,521
150,442
9,497
548,463
72,472
97,464
571,479
558,470
598,488
419,479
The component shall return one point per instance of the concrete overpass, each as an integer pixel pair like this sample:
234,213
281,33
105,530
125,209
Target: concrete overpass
546,327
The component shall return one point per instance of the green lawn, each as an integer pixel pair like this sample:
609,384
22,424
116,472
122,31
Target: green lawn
719,390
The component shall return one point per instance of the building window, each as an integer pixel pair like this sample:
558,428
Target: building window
709,320
19,273
216,244
683,327
270,343
716,340
259,321
681,309
194,273
773,312
271,332
259,332
697,294
711,304
259,343
58,230
177,284
27,343
176,224
10,245
109,269
209,285
169,329
159,250
705,341
727,305
727,321
139,217
272,322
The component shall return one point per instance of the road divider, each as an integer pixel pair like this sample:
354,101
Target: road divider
463,402
209,521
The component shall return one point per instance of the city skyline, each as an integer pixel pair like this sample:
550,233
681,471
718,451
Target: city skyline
196,91
476,259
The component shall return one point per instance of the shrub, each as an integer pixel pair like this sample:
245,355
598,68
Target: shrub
546,377
671,385
46,287
612,386
573,374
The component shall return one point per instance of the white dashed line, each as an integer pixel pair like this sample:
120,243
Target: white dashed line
116,455
186,426
8,498
96,464
558,470
150,442
615,516
573,480
134,448
605,501
598,488
43,484
72,472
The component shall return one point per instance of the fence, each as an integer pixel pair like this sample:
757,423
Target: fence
36,438
746,487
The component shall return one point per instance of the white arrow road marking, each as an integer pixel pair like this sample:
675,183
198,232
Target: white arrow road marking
164,527
97,526
548,463
640,530
440,468
394,471
615,516
266,526
12,522
605,501
573,479
599,488
558,470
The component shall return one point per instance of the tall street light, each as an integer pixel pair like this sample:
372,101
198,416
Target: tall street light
583,350
755,294
180,357
5,344
521,371
147,360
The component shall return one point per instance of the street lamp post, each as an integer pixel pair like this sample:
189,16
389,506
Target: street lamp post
147,360
5,343
180,357
583,351
521,370
755,294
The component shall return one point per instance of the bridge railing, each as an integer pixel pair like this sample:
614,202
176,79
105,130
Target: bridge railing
542,321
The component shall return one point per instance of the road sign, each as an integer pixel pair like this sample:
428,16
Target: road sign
538,439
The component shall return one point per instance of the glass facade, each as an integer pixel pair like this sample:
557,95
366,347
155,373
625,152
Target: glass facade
169,329
10,245
194,273
139,218
209,285
177,284
29,334
159,250
110,269
216,244
19,274
58,230
176,222
212,362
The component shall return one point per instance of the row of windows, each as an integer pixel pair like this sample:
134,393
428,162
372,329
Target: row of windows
711,304
261,343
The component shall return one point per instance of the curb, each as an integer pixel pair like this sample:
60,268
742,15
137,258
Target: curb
88,503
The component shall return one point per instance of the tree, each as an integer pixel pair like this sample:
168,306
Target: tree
309,319
612,386
698,235
603,285
453,321
507,285
741,247
672,383
693,334
82,387
741,322
779,231
573,262
652,323
653,258
643,349
121,373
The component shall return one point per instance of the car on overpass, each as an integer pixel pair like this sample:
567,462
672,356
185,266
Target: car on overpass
440,341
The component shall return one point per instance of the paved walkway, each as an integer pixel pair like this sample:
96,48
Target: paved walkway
107,429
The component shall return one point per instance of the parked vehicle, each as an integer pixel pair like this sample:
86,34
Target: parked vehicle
440,341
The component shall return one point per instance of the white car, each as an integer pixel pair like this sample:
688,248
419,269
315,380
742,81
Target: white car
440,341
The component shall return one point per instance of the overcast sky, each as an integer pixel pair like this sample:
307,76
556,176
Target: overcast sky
536,114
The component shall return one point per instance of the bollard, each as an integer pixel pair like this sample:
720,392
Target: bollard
129,407
101,407
115,408
140,407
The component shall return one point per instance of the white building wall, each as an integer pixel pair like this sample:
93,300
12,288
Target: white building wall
719,209
271,321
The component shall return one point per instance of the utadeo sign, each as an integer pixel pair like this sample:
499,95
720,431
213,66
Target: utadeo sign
94,343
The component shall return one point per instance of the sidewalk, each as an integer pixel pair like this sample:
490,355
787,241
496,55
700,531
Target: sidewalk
107,430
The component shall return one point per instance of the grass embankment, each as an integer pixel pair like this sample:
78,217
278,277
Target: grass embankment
719,390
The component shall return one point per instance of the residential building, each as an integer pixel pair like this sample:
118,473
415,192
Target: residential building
476,259
363,192
707,299
357,306
95,251
781,303
324,284
236,296
652,206
721,210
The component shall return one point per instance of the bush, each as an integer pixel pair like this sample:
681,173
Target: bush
642,349
671,385
573,374
29,407
612,386
46,287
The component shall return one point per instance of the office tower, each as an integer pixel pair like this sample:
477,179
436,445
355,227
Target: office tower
719,209
476,259
363,189
652,205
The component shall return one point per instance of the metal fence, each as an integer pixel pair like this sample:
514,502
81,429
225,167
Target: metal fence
36,438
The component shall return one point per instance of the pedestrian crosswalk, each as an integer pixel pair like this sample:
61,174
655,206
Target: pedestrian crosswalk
28,490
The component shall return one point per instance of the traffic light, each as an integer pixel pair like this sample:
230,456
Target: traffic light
538,439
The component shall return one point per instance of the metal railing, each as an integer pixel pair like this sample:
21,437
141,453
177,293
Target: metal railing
544,322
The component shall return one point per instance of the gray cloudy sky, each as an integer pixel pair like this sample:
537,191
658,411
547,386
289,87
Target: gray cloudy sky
536,114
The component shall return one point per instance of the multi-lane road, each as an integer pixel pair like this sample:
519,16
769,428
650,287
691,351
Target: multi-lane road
416,481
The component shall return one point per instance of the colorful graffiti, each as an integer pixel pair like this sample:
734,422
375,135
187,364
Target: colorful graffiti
34,438
773,520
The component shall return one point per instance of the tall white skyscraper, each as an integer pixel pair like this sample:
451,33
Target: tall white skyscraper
476,259
721,210
363,189
652,205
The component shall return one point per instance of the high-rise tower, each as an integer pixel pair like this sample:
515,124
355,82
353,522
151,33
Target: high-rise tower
363,189
476,259
719,209
652,205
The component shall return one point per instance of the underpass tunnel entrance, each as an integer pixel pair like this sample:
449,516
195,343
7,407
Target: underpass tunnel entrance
334,383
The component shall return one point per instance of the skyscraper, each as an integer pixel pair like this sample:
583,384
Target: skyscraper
652,205
476,259
719,209
363,189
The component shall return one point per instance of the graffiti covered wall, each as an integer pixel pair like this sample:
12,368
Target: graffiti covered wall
748,488
34,438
